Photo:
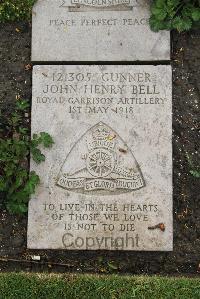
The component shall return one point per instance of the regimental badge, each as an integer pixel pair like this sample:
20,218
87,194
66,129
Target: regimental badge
100,162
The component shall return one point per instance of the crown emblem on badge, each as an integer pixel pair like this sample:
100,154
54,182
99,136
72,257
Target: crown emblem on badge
101,137
100,132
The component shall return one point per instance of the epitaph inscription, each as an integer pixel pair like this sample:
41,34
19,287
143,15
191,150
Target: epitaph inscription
108,179
96,30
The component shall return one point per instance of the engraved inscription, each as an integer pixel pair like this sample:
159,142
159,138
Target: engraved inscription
107,181
92,5
105,163
99,3
119,31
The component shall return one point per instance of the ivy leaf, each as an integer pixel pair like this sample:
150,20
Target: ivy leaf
23,131
181,15
9,170
15,146
37,156
43,138
20,177
34,178
46,139
15,119
173,3
187,10
31,184
155,24
172,7
16,208
195,173
2,184
182,24
22,105
35,141
196,14
160,3
160,13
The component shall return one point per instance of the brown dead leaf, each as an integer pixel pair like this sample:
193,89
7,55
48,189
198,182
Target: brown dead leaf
28,67
160,226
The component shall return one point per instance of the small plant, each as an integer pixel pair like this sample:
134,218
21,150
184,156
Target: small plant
194,170
112,266
175,14
15,10
16,145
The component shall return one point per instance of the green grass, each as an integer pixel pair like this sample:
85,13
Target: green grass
71,286
15,10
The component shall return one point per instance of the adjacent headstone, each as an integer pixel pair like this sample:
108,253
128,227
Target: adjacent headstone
107,181
96,30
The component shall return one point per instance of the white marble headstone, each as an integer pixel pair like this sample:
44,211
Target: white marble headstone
107,181
96,30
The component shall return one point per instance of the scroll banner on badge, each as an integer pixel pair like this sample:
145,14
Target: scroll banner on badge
100,184
100,3
93,5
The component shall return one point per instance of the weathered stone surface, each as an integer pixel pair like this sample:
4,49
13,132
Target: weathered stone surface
99,30
107,182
